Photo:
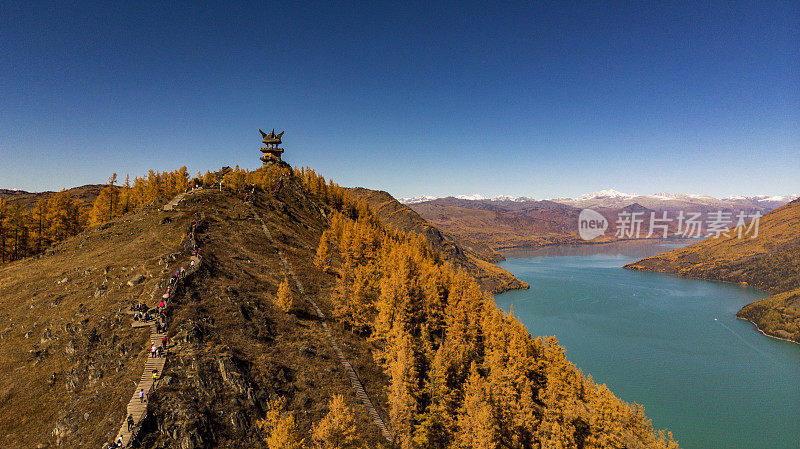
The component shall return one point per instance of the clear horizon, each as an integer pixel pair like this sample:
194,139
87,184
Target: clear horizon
415,99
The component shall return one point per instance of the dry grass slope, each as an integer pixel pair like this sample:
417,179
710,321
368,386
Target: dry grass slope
70,356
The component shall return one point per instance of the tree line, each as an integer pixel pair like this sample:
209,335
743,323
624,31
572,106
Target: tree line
51,219
29,231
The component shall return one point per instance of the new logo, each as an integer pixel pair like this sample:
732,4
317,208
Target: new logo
591,224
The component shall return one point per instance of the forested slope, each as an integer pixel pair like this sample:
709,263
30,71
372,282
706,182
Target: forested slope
473,257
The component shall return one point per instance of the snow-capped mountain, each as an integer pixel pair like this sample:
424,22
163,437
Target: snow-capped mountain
666,201
764,198
610,198
608,193
474,197
417,199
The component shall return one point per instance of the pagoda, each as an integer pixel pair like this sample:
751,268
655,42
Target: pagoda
272,152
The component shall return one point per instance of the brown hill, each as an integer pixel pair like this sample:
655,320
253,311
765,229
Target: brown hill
73,357
500,228
85,194
771,262
473,257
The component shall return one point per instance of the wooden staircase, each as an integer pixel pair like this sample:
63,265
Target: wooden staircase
136,407
172,204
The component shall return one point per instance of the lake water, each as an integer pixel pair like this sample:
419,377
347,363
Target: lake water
671,344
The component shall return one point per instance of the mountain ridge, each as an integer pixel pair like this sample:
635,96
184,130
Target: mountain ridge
474,257
504,222
613,198
233,350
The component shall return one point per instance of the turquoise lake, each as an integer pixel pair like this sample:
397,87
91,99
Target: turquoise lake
673,345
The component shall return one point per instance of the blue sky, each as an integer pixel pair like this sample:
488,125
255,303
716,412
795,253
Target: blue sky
542,100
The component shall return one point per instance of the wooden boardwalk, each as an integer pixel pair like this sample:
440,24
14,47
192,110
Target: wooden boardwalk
172,204
352,376
137,408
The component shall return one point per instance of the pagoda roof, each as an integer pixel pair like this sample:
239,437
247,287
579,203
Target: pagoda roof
271,138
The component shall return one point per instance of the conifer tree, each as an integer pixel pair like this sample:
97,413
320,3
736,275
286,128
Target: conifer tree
124,202
40,212
111,181
284,297
402,405
337,430
103,207
3,228
476,422
280,427
323,257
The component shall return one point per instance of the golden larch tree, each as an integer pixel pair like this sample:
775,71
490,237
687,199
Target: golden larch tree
284,297
280,427
337,430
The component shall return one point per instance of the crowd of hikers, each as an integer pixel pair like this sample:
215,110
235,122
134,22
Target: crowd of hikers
145,314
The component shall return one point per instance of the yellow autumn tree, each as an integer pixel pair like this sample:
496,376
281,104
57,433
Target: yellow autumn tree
280,427
323,257
284,297
462,373
104,206
337,430
476,422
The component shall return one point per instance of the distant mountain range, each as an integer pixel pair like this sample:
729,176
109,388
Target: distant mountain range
613,199
504,221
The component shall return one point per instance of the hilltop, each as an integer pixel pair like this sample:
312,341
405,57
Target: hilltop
372,306
771,262
85,194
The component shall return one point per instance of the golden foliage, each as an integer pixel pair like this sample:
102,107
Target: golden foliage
462,373
337,430
280,427
283,299
52,219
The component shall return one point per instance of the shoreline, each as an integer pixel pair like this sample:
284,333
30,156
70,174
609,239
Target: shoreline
636,249
764,333
742,284
698,278
579,242
679,275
